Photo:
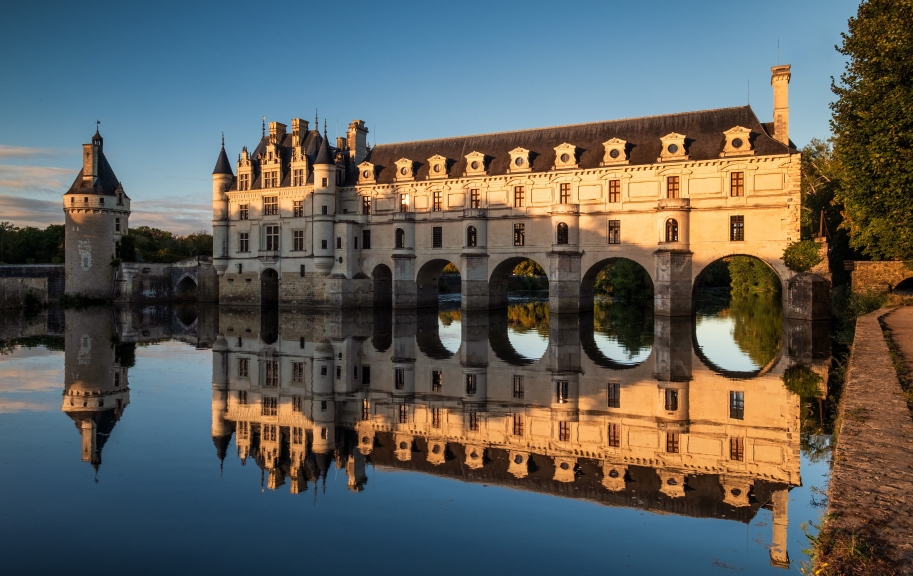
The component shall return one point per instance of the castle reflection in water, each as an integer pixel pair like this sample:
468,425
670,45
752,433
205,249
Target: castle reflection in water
299,391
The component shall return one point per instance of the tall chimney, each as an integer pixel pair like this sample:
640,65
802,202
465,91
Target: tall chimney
779,79
357,140
89,163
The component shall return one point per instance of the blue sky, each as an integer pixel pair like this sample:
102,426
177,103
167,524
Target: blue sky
167,78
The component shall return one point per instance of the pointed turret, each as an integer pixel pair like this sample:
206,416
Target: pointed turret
223,166
323,154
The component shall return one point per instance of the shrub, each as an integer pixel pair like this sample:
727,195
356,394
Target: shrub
802,380
802,256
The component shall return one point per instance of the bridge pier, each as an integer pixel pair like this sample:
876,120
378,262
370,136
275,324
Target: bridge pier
564,280
672,289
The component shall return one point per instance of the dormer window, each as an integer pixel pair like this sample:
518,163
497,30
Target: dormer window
475,164
101,201
437,166
405,169
616,152
519,160
673,148
366,174
738,142
243,182
565,156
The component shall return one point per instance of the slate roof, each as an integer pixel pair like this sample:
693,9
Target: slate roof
312,142
106,183
703,129
223,166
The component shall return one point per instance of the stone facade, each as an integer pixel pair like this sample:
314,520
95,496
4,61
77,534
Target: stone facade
881,276
54,274
193,279
14,291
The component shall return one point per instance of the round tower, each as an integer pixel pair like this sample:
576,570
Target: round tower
222,179
324,207
96,211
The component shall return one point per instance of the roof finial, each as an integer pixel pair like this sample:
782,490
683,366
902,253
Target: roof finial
316,120
324,127
223,140
263,128
97,124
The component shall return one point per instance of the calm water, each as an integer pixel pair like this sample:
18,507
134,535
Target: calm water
160,440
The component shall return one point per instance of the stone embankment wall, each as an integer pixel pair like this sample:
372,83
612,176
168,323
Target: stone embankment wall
879,276
14,291
146,282
56,277
872,477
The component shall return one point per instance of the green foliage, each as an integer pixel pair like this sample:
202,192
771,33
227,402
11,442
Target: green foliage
451,268
528,316
624,279
31,245
752,275
716,275
802,256
528,268
862,303
631,323
758,320
803,381
153,245
873,129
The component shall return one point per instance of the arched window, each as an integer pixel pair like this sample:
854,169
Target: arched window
671,230
471,236
562,233
400,238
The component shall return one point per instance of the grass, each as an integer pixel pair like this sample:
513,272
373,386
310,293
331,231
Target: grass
838,552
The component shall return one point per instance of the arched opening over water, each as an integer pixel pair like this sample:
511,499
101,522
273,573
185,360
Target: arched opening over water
438,333
738,310
269,287
382,286
620,335
519,335
186,289
436,278
186,315
616,279
517,279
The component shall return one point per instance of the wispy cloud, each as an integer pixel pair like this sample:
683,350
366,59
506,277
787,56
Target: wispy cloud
177,215
10,406
21,152
46,179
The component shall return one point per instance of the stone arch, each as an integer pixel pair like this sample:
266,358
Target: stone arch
382,286
500,343
428,337
588,280
427,280
905,285
499,274
732,374
186,289
269,287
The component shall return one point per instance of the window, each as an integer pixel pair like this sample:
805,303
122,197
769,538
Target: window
519,234
474,421
271,179
271,374
270,205
403,414
298,177
120,199
614,436
471,236
297,371
117,224
269,433
101,201
298,240
671,230
470,384
737,184
243,430
564,431
672,187
737,449
518,425
561,391
672,442
474,198
244,368
297,435
323,405
519,197
403,202
437,380
365,204
564,193
671,400
737,405
737,228
562,233
323,370
339,372
437,237
243,242
240,269
338,243
436,201
614,190
269,406
323,210
272,237
243,211
297,403
298,208
399,378
323,244
243,182
302,275
436,418
614,395
366,239
400,238
242,398
355,239
365,374
614,231
365,409
323,431
518,387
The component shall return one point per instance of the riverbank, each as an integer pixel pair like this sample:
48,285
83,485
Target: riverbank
870,515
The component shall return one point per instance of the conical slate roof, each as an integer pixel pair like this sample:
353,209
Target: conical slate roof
323,155
223,166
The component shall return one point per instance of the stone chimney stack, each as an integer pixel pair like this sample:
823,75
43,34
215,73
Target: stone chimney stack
357,140
90,162
276,132
779,79
299,131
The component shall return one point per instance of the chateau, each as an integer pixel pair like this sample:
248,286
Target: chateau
308,222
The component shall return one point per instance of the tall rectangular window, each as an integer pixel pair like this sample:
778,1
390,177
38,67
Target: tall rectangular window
519,196
270,374
436,418
614,395
339,243
561,391
737,184
403,413
243,182
298,177
437,237
564,193
518,387
614,190
301,271
365,409
437,380
475,198
298,240
614,231
297,435
324,210
474,421
437,203
736,228
470,384
365,204
117,224
366,239
737,449
519,234
271,179
298,372
737,405
403,202
671,400
297,403
270,205
243,211
243,430
518,425
365,375
564,431
269,406
244,368
272,238
672,187
672,442
243,242
399,378
614,435
298,208
268,433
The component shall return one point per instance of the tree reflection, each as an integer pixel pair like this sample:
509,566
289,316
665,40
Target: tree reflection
758,319
527,317
631,323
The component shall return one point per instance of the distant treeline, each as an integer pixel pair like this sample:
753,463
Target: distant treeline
32,245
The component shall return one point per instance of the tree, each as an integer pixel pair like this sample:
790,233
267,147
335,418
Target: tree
873,129
624,279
